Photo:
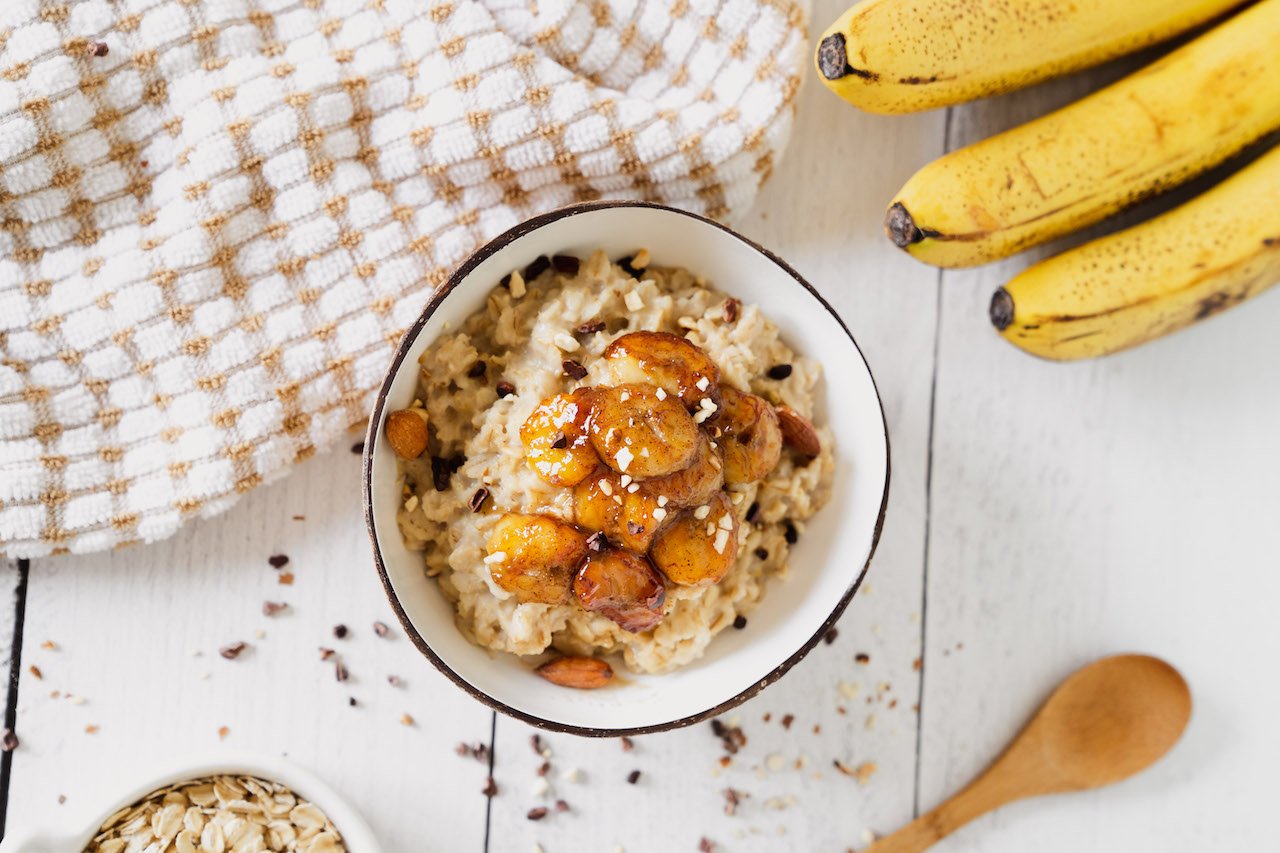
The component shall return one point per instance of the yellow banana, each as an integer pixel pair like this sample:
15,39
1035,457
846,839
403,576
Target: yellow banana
1148,132
1207,255
901,56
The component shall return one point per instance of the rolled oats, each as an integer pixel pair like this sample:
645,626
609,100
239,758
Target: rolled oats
223,814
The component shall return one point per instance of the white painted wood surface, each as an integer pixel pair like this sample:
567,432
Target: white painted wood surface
1073,511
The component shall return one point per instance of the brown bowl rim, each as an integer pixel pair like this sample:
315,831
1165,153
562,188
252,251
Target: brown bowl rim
372,437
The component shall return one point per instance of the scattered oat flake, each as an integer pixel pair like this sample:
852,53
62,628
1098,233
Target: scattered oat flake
286,578
775,762
223,731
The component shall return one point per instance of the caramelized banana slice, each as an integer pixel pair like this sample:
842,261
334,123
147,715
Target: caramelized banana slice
555,438
750,440
626,514
698,548
623,587
693,484
670,362
534,557
641,431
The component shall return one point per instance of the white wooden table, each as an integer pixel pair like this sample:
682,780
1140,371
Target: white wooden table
1041,516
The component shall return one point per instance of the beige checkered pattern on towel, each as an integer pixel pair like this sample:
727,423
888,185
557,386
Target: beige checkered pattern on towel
217,217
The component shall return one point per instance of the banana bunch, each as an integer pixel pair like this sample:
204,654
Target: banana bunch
1176,118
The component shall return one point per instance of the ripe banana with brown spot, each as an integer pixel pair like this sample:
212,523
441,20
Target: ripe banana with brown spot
1148,132
1209,254
901,56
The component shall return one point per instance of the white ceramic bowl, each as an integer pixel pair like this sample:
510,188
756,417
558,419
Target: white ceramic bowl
828,563
71,836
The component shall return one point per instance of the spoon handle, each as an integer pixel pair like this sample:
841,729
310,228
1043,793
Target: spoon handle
1013,776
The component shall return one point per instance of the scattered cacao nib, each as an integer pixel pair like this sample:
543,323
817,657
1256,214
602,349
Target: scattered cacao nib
278,561
8,741
271,608
535,741
395,681
779,371
537,268
706,845
597,542
341,631
634,529
233,651
566,264
325,654
625,263
787,720
381,629
99,48
739,621
789,532
862,658
351,700
633,777
544,768
559,441
490,788
562,806
627,744
590,327
573,369
477,370
340,670
732,309
731,800
504,389
830,636
442,469
767,716
731,737
537,813
358,448
762,553
477,500
752,512
35,671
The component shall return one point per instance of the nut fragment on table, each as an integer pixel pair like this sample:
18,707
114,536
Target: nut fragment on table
406,431
233,813
578,672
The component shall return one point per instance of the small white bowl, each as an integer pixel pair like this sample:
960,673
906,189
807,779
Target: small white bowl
827,564
69,837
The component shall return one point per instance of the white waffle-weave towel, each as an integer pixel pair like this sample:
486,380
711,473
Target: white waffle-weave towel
217,217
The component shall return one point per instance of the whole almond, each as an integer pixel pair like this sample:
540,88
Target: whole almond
577,672
798,432
407,432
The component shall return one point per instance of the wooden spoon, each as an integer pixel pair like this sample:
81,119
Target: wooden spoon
1106,722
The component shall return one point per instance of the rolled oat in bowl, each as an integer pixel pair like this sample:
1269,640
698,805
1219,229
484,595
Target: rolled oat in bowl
617,461
236,814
